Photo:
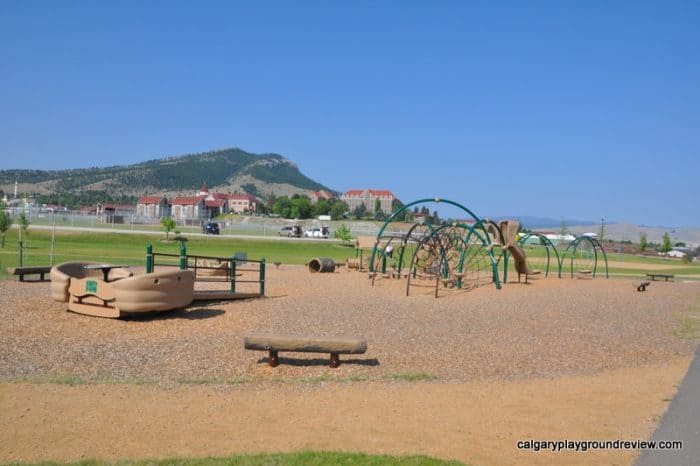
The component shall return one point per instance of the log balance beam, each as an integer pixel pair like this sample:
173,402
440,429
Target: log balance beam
304,344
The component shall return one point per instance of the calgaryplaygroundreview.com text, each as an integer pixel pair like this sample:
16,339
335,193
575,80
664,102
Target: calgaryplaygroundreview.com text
585,445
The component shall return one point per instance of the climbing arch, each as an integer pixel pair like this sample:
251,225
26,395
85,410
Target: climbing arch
585,256
541,254
457,255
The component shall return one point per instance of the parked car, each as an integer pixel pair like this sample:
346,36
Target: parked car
290,231
210,228
317,232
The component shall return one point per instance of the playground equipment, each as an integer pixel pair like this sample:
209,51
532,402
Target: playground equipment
104,290
582,257
452,255
304,344
520,262
543,250
321,265
213,269
468,253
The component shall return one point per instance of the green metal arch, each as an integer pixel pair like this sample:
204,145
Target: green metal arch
404,238
485,242
472,230
548,244
596,246
402,209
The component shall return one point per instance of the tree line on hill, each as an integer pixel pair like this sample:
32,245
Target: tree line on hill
74,201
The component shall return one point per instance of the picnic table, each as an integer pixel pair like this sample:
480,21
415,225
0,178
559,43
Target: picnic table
104,267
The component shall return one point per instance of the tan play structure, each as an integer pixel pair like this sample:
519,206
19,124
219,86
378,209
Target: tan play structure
508,240
104,290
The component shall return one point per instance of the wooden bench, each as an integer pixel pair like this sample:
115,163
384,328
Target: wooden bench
641,286
303,344
665,276
40,270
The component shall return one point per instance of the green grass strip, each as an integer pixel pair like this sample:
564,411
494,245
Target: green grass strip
306,458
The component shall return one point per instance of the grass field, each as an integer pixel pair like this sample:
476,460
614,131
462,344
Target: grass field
279,459
130,249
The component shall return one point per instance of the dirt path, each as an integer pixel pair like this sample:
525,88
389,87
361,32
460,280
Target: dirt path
476,422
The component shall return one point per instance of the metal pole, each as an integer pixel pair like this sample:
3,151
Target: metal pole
262,277
183,256
149,258
233,275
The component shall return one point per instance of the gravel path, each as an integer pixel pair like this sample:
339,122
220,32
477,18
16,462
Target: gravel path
549,328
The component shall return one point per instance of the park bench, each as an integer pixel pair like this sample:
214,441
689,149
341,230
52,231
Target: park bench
40,270
665,276
304,344
641,286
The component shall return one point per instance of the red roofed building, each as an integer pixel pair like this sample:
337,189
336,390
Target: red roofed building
114,213
154,207
189,208
242,202
204,205
368,197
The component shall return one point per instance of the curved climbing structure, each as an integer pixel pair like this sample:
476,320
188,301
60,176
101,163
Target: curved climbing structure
585,258
541,253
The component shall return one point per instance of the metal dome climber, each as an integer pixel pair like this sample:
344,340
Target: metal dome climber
455,255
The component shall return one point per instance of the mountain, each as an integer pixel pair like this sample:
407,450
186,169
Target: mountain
227,170
629,232
538,223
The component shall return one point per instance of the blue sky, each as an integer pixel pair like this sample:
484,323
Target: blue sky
564,109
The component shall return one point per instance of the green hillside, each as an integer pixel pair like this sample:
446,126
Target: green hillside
182,173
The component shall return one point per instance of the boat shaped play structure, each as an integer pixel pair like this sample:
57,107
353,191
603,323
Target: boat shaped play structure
92,289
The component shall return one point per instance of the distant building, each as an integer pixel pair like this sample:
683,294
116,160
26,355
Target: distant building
206,205
676,253
355,198
314,196
189,208
114,213
556,238
155,207
240,203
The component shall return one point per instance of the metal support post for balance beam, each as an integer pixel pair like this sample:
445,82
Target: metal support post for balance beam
149,258
183,256
262,277
232,274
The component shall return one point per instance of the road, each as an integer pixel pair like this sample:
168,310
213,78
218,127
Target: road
681,422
